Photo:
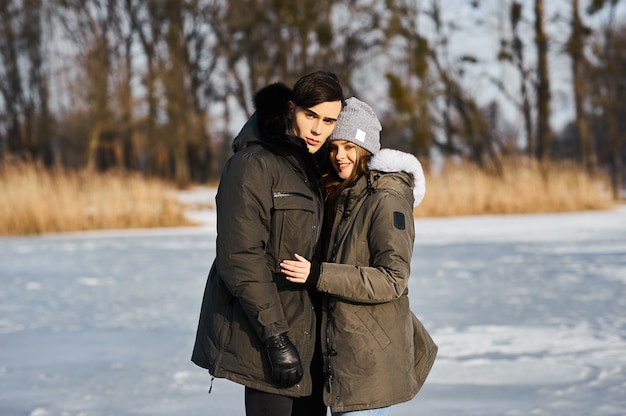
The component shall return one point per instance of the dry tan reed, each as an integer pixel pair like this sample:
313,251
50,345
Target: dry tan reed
34,201
523,187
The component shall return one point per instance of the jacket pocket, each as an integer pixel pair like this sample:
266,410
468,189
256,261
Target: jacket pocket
294,225
373,326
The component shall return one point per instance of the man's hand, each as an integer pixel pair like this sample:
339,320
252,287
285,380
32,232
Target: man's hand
284,359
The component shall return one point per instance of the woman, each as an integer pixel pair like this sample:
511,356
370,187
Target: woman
376,353
255,328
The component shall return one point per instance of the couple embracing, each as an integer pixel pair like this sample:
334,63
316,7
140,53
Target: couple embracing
306,303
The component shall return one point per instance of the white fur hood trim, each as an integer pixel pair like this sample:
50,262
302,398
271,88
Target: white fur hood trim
391,160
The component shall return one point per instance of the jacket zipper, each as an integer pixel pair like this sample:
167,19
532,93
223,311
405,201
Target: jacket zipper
284,194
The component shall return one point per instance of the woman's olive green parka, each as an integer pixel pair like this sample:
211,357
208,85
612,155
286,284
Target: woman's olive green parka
374,350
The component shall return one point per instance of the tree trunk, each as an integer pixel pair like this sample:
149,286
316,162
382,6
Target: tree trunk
517,48
94,146
579,63
544,133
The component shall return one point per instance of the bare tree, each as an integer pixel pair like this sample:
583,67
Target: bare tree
427,92
267,41
412,88
262,42
25,120
610,90
91,28
576,50
512,50
544,131
175,38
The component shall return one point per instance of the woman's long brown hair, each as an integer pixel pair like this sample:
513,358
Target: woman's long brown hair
333,185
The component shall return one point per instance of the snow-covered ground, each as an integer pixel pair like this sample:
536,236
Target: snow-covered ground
529,313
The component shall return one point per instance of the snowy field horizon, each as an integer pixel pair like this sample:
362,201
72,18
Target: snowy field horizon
529,312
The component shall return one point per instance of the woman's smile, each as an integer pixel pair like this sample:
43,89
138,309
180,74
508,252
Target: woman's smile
343,155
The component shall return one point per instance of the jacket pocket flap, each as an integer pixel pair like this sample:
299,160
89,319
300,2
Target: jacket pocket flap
286,200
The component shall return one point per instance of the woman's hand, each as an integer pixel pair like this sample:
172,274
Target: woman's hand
296,271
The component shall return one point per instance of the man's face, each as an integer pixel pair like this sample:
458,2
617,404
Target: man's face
315,124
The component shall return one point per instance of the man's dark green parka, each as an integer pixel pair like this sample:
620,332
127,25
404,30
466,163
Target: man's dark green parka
269,206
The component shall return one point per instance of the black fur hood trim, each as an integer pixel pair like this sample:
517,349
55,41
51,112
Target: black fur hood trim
270,124
272,110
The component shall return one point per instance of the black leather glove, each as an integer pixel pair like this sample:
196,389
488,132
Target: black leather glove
284,359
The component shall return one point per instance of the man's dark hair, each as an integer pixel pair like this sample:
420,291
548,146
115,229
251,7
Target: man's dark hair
317,87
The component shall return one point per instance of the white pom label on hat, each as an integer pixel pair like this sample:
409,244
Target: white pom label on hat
360,135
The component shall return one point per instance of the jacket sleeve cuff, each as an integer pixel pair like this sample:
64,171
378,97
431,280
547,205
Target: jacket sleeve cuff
271,322
314,274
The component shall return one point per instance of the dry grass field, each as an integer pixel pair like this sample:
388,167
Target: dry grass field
35,201
525,186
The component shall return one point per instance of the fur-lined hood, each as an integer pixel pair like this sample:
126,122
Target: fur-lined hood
270,122
391,160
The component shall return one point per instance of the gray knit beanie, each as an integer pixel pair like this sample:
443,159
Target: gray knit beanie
357,123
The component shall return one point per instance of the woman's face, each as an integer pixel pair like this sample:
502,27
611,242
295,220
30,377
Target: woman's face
343,157
315,124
